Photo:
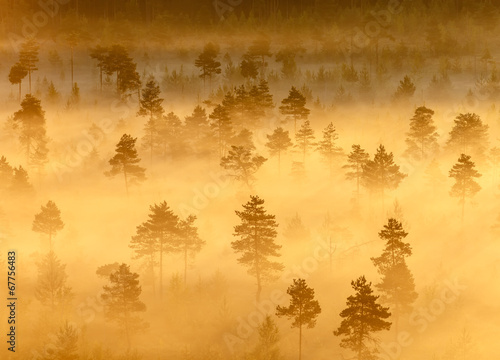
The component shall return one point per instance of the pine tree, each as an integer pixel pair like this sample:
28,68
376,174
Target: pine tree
16,75
31,118
121,301
328,148
242,164
100,53
28,57
422,137
48,221
257,233
362,317
405,90
397,285
304,139
294,107
303,309
20,182
6,173
189,240
356,160
465,186
469,136
66,346
222,127
278,142
159,235
208,64
125,161
267,347
381,174
196,126
249,67
150,105
51,289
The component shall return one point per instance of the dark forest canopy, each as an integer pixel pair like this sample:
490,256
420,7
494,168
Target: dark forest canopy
15,13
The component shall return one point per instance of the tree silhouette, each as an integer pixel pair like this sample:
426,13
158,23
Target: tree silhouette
222,127
362,317
267,347
28,57
100,53
303,309
249,67
16,75
257,233
328,148
6,173
20,182
304,139
242,164
278,142
125,161
465,186
32,134
189,240
159,234
208,64
421,141
66,346
294,107
356,160
381,173
48,221
51,289
258,51
121,300
117,60
469,135
405,90
150,105
197,127
397,285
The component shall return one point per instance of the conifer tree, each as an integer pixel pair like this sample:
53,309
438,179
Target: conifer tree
397,285
328,148
267,347
304,139
303,308
422,137
189,240
121,301
126,162
469,136
222,127
256,244
465,186
208,64
242,164
294,107
51,289
28,57
157,236
279,141
356,160
16,75
48,221
362,317
31,119
381,173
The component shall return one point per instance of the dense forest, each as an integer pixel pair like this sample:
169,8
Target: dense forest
249,180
